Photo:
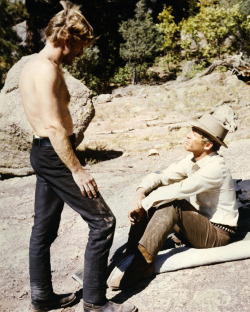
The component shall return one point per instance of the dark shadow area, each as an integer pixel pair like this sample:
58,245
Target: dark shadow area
242,188
78,295
88,156
77,299
11,176
116,256
124,295
93,156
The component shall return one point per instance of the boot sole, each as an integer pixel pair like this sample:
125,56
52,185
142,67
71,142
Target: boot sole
149,272
45,309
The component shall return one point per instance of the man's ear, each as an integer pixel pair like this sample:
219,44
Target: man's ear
67,43
208,145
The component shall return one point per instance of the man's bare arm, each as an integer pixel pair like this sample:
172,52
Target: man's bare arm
55,124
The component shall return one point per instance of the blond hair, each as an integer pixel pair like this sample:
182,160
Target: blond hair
69,24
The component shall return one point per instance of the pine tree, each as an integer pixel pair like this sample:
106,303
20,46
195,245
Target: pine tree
142,39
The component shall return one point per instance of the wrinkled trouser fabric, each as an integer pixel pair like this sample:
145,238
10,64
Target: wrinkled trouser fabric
55,186
156,224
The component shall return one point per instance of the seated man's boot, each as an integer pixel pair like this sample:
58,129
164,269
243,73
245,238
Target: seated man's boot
136,271
53,302
109,306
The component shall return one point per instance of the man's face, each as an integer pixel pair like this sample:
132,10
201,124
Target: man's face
72,50
194,142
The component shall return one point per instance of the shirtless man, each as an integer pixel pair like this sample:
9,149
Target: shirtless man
60,176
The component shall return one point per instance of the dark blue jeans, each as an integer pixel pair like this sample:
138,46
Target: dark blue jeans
55,186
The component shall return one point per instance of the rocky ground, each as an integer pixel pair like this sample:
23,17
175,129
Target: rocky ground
122,135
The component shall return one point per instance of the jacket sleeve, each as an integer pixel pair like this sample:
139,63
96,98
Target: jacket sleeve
173,173
203,180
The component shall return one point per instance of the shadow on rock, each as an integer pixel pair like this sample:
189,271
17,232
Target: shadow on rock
93,156
124,295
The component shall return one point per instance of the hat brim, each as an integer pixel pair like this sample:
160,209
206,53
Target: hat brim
197,124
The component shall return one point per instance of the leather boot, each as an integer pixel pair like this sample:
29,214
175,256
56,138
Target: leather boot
109,307
54,302
136,271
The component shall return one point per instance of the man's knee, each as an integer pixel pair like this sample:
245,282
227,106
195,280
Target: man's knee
42,238
102,231
167,213
108,224
111,222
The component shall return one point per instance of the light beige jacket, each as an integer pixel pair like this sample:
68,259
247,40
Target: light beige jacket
207,184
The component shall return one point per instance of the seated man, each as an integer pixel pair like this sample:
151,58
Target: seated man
194,197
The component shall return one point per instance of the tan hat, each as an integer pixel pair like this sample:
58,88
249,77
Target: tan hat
212,127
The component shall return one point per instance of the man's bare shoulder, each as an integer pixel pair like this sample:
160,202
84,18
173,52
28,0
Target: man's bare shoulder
38,67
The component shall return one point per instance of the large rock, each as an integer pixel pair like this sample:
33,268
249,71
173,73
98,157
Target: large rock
15,132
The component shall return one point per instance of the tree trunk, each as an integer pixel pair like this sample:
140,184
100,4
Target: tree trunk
134,75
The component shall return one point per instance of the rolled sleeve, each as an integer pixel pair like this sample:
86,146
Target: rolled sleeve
174,173
202,181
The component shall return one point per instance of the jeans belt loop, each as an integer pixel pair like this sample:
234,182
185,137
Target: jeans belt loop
45,141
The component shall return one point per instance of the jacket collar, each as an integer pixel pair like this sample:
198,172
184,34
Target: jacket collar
200,163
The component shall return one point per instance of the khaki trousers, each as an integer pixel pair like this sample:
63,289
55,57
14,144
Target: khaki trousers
179,216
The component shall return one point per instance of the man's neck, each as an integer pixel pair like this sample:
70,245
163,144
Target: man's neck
52,53
200,155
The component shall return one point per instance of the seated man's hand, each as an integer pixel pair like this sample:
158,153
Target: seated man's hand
136,211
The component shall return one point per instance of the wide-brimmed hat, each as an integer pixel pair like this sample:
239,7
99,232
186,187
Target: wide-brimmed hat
211,127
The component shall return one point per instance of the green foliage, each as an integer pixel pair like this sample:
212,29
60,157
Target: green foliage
229,3
202,36
123,76
171,33
210,28
105,17
142,39
207,3
86,68
222,69
193,8
197,68
195,5
245,8
10,49
167,70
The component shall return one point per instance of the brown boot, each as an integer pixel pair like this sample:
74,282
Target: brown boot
54,302
109,306
137,270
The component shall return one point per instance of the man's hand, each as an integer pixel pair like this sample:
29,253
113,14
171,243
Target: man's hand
136,211
86,183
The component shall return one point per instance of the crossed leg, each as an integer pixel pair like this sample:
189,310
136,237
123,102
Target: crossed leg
147,237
